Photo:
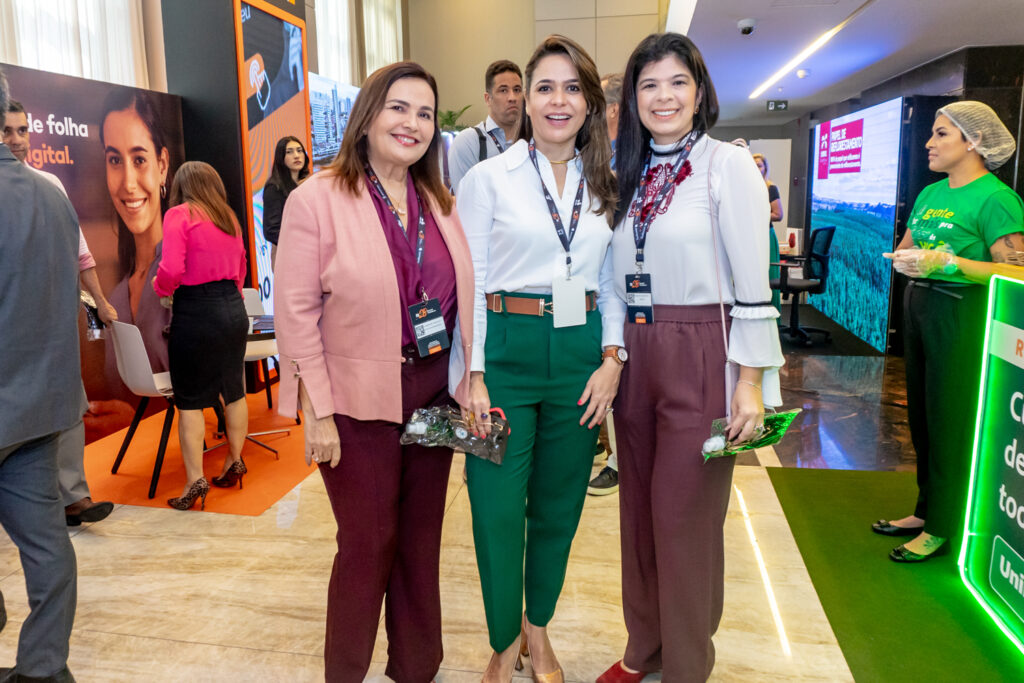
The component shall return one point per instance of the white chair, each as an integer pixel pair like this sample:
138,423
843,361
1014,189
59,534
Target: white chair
138,376
260,351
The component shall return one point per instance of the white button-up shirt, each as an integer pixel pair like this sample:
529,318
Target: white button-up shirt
513,240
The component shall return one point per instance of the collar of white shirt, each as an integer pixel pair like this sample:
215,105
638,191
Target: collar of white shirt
518,153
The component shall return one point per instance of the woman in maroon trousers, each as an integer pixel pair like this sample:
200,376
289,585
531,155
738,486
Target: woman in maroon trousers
365,247
689,234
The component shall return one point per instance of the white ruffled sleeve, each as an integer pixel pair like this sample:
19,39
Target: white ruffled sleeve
743,219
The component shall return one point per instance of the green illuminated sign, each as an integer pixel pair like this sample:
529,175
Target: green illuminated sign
992,556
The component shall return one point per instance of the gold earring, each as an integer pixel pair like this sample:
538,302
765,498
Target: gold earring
696,110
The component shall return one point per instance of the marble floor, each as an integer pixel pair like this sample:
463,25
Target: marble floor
172,596
854,413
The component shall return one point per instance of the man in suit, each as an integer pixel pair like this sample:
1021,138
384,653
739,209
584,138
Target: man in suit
74,490
41,396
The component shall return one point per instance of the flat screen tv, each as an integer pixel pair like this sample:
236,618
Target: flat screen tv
854,187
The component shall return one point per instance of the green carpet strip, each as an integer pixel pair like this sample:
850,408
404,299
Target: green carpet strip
893,622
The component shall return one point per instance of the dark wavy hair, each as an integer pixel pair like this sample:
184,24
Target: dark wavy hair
633,139
592,139
143,104
281,175
353,156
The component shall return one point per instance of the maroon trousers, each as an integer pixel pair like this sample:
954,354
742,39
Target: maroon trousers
672,504
388,500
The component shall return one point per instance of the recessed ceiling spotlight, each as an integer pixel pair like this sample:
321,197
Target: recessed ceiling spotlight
803,73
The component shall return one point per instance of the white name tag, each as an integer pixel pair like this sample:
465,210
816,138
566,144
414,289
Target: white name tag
569,301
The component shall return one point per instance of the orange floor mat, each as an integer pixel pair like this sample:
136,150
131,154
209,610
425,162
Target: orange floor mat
267,481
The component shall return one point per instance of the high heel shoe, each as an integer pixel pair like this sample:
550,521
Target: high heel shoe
234,473
200,487
617,674
518,666
555,676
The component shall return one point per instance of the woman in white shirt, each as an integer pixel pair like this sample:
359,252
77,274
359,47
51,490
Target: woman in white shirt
538,222
691,255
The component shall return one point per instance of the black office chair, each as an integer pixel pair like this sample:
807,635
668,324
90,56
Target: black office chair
814,281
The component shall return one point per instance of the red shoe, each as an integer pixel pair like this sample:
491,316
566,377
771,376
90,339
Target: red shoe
616,674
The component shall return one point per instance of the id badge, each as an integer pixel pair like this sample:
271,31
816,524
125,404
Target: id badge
639,299
428,327
569,301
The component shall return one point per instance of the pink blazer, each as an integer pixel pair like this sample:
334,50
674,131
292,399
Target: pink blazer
337,313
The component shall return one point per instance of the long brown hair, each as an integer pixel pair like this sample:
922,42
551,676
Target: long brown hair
353,156
592,138
197,184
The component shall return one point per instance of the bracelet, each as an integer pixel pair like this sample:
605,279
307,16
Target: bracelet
743,381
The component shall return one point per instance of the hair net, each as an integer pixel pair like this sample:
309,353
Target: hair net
981,126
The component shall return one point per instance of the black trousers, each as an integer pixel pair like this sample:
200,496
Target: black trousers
944,332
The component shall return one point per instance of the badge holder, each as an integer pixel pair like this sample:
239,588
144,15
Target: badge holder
428,327
568,300
639,299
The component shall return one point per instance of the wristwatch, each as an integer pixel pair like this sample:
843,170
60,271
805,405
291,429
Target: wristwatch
616,352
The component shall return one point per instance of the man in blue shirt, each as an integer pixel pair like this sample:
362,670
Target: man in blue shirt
503,83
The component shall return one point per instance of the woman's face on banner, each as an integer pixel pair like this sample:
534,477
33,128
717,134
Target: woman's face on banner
136,170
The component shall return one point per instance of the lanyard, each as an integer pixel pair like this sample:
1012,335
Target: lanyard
421,230
641,227
556,218
501,148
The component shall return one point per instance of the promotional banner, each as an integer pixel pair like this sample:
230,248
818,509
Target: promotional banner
854,188
330,103
115,150
274,102
992,556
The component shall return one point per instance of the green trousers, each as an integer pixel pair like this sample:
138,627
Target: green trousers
526,510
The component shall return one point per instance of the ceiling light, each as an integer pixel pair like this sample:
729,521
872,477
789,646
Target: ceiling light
809,50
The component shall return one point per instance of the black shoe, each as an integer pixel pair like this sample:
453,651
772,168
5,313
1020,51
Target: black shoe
886,528
86,510
606,482
901,554
12,676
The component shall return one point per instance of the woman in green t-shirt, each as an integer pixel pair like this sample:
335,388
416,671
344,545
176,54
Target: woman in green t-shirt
962,231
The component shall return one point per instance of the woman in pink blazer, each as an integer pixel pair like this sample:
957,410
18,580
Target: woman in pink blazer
368,246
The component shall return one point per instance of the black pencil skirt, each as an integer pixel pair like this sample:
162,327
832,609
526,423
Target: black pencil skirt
207,344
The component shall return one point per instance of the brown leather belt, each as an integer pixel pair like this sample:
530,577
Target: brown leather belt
521,305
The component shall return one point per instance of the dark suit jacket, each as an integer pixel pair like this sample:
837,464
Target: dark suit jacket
40,373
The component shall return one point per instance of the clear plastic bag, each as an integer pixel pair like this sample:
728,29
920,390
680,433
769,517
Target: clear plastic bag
775,426
444,427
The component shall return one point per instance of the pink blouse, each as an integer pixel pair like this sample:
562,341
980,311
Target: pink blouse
195,251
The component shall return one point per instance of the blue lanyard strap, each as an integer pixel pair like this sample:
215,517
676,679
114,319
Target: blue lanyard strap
421,223
556,218
501,148
642,227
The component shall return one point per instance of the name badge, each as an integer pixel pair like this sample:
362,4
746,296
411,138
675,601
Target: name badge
428,327
569,301
639,299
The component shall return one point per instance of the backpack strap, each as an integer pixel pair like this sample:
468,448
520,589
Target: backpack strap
483,144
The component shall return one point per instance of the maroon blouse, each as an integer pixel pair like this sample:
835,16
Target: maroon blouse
438,273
